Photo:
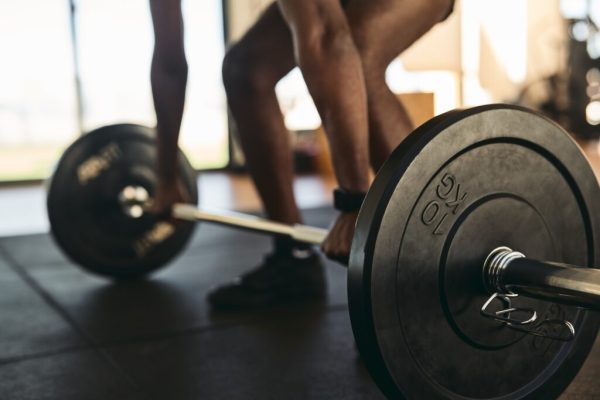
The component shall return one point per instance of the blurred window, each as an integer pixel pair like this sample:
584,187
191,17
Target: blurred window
115,50
37,88
38,100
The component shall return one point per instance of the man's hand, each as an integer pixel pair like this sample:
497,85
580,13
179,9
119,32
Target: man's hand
337,243
169,192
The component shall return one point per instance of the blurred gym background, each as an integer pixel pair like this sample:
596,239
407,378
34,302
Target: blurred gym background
69,66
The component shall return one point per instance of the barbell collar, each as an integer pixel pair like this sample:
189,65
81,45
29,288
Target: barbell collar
507,271
301,233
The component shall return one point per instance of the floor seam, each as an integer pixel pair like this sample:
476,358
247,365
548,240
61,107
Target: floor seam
87,338
43,354
102,346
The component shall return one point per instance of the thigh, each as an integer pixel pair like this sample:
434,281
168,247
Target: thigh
382,29
267,45
309,17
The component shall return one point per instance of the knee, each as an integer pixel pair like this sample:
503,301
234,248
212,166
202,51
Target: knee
321,43
243,75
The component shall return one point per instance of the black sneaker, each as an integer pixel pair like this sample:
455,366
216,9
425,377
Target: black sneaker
280,279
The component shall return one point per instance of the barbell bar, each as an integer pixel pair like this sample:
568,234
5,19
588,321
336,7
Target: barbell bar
135,201
504,271
507,271
299,232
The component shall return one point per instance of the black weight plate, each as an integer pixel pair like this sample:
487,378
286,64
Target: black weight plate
86,218
461,185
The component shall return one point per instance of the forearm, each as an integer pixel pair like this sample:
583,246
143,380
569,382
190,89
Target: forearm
335,79
168,77
168,89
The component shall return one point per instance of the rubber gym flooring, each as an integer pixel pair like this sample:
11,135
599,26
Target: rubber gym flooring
66,334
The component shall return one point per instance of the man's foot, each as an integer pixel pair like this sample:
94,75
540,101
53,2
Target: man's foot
280,279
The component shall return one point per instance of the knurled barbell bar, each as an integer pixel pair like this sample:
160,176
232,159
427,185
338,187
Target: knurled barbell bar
440,303
135,200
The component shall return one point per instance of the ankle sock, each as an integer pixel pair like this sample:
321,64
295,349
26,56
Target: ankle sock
286,246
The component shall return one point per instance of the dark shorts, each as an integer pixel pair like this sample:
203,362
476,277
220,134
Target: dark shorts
450,10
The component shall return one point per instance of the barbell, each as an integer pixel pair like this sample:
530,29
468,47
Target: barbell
449,292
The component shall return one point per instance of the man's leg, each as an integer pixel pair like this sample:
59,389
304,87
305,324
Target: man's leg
382,29
331,67
251,69
327,55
